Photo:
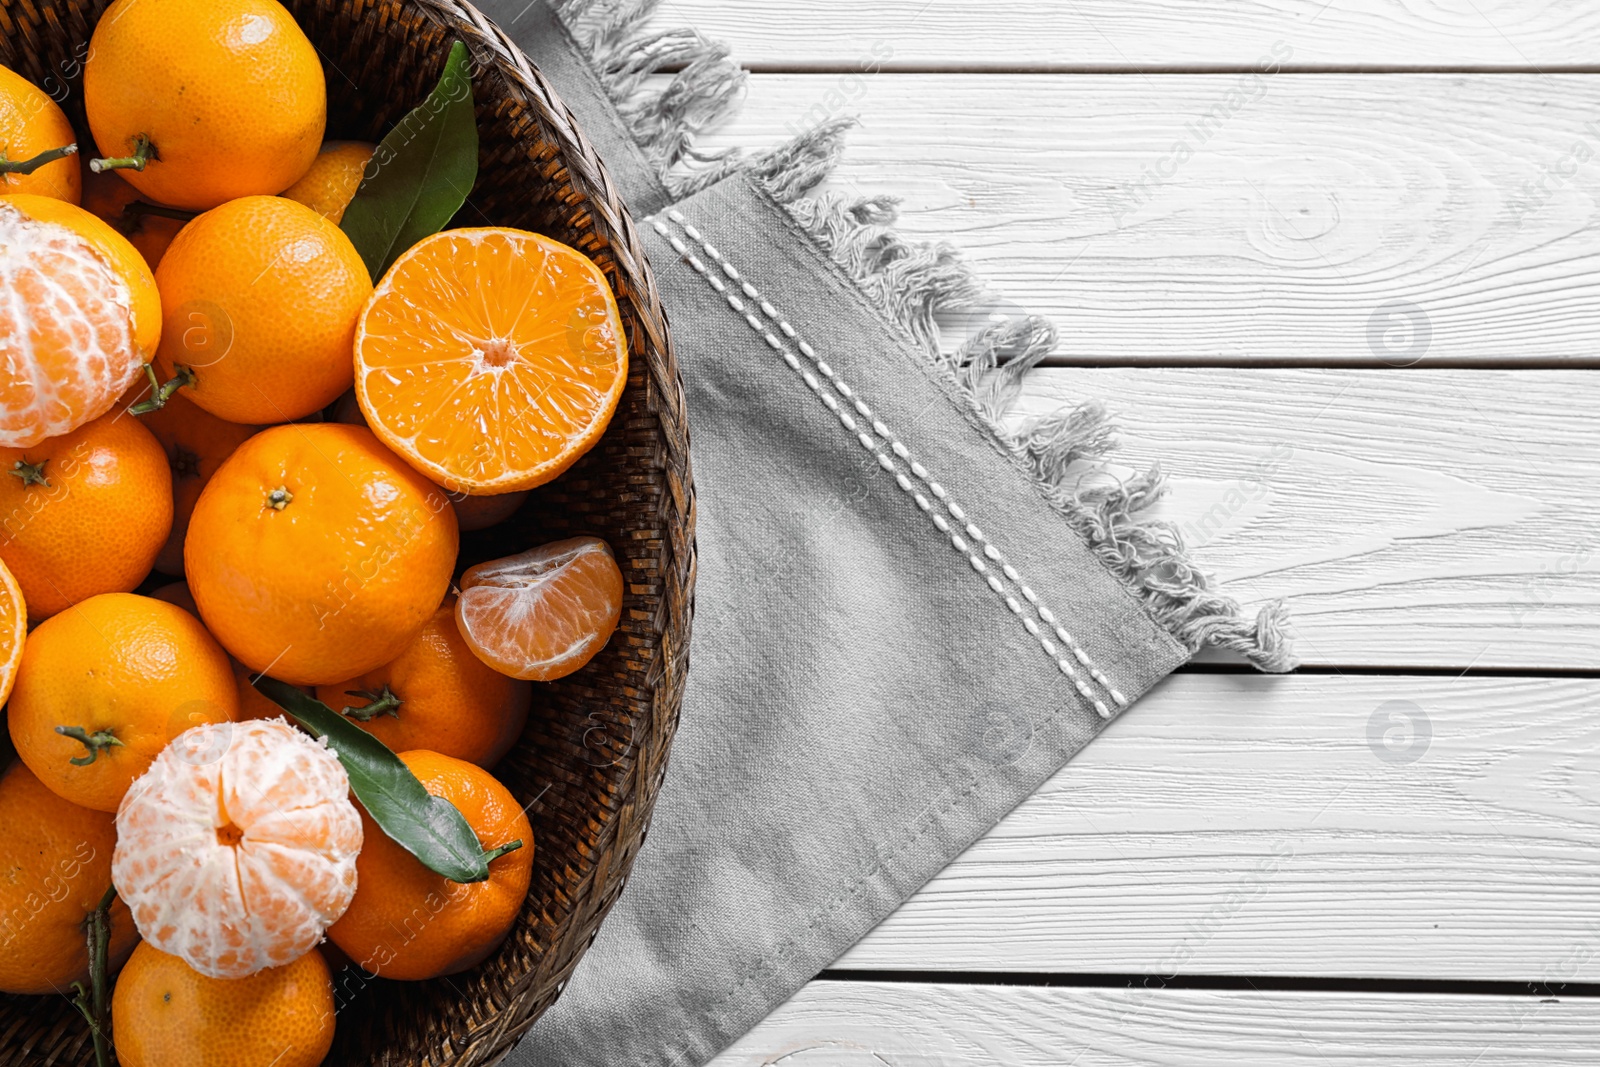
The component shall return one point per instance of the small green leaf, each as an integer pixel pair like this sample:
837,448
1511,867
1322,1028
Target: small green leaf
421,174
429,827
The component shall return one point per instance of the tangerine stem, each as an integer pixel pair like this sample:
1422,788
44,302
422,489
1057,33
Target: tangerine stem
143,152
495,853
28,166
30,473
95,741
280,498
384,703
93,1003
161,393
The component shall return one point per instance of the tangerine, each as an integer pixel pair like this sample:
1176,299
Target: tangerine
263,295
32,125
82,317
84,513
105,685
13,630
436,695
165,1012
237,848
490,358
316,555
201,101
55,866
409,923
335,175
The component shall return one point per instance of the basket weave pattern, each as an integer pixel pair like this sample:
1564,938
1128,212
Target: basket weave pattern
594,753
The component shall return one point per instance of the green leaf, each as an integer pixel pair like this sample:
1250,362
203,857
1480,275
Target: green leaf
421,174
429,827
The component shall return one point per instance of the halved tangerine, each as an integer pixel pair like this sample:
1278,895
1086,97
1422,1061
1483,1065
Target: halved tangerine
543,613
490,358
13,630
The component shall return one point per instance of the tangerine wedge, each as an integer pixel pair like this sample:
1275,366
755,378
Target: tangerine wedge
490,358
543,613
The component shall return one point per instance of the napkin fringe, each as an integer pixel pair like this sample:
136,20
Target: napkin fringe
663,120
916,283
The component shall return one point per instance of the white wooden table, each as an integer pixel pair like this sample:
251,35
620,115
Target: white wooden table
1354,307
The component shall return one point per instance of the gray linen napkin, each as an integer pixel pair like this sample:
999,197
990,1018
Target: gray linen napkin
908,617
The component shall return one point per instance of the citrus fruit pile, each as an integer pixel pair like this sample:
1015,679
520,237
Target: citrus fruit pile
246,409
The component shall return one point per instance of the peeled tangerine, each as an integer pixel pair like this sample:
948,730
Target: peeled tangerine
80,318
237,849
543,613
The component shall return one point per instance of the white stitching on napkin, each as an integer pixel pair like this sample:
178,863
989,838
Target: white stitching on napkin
980,552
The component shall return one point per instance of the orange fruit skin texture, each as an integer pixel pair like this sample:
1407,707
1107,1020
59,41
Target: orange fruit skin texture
452,703
165,1013
543,613
13,630
262,294
252,703
98,524
331,183
231,94
140,668
30,123
409,923
106,196
89,317
196,443
55,865
490,358
343,577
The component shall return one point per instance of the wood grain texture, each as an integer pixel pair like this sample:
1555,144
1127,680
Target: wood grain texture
836,1024
1445,519
1379,220
1108,35
1395,827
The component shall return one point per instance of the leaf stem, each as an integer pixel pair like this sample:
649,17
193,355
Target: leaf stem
495,853
95,741
161,393
143,152
94,1003
28,166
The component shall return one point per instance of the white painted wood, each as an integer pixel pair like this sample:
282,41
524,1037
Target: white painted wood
835,1024
1182,219
1107,34
1396,827
1413,519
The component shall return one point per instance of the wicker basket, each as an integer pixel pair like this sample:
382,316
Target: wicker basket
592,758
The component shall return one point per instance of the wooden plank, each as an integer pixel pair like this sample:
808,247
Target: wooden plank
1306,219
1441,519
848,1024
1391,827
1108,35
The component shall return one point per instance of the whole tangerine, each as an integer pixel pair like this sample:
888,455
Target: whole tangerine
436,695
315,554
56,859
84,513
203,101
164,1012
31,125
409,923
262,294
105,685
